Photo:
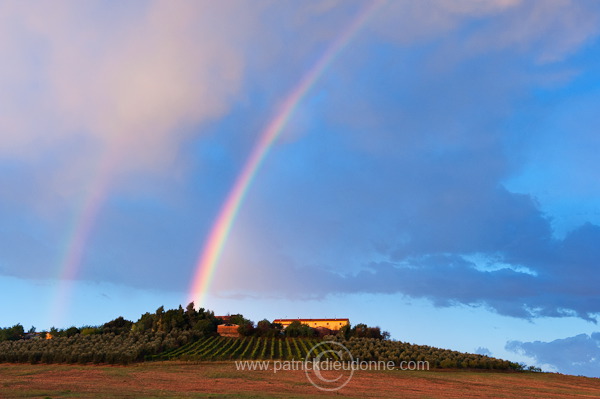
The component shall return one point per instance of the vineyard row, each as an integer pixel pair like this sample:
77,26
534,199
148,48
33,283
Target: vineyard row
248,348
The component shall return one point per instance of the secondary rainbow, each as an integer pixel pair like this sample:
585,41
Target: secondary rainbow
211,252
83,223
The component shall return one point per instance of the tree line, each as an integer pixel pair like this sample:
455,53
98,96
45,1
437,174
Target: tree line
122,341
201,323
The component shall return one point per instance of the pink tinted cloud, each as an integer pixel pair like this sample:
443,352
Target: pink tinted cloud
130,84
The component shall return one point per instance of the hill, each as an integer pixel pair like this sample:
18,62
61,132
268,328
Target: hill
191,334
367,349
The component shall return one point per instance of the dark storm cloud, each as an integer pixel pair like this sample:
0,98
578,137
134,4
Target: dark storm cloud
403,182
578,355
498,253
562,280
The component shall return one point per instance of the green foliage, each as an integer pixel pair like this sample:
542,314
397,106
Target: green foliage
205,327
117,326
263,348
239,320
224,348
297,329
95,348
345,332
12,333
254,353
145,323
191,335
246,329
90,330
265,328
245,326
398,352
72,331
247,348
297,353
191,316
117,341
201,321
363,331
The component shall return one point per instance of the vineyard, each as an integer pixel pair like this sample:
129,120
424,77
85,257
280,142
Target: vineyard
261,348
248,348
191,334
183,345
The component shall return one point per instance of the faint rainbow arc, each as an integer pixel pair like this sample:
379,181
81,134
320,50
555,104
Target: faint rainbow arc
206,265
82,227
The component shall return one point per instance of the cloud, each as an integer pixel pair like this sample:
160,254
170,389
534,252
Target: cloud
134,78
130,79
578,355
511,265
394,179
126,86
483,351
405,193
407,21
548,31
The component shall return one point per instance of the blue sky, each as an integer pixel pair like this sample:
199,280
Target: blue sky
439,178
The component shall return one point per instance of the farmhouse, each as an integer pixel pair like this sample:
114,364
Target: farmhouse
332,324
228,330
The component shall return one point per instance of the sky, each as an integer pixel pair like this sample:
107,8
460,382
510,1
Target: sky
432,170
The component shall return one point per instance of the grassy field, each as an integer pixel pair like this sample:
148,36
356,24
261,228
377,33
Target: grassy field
221,380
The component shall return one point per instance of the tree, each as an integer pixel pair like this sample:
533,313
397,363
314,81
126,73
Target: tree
86,330
345,332
145,323
363,331
297,329
191,315
265,328
239,320
71,331
12,333
117,326
360,330
205,327
173,319
246,329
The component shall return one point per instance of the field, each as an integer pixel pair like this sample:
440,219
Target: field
175,379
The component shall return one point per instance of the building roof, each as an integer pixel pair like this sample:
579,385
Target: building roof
309,320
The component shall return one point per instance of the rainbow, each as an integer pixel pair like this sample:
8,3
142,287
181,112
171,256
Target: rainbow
81,228
211,252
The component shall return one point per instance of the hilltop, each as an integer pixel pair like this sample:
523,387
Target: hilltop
191,334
